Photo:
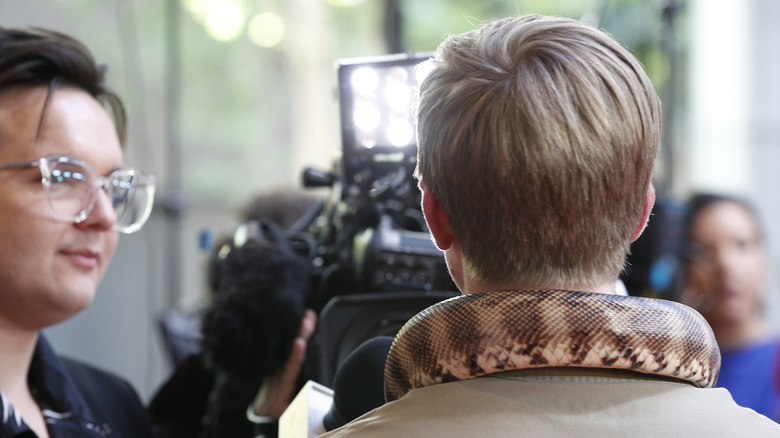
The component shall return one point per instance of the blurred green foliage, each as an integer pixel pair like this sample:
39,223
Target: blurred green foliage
236,105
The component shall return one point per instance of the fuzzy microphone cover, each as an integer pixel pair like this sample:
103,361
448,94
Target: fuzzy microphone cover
260,296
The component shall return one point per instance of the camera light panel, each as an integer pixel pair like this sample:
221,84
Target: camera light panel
382,105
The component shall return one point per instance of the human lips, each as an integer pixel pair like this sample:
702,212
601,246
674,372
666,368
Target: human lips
83,257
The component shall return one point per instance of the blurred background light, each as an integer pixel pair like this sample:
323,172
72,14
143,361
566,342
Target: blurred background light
398,91
198,9
266,29
346,3
367,116
224,20
367,139
400,132
365,80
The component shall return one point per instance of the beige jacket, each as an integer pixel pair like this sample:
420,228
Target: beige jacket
565,403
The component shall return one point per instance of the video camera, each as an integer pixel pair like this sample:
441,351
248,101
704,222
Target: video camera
371,235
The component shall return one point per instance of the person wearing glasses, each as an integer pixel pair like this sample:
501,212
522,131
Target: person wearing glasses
65,194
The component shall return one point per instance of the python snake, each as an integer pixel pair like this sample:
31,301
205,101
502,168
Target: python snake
477,334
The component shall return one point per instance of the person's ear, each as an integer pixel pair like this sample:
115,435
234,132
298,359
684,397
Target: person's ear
648,208
436,218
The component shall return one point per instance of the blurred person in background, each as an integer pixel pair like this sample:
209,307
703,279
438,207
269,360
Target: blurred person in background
64,197
724,279
253,335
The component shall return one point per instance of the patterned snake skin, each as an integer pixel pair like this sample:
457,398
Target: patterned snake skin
477,334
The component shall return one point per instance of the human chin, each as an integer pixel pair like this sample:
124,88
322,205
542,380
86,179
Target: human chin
63,295
73,298
78,273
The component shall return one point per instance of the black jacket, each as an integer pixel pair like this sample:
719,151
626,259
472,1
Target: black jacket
77,401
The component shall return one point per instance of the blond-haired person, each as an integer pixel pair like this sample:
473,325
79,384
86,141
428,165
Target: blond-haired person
537,137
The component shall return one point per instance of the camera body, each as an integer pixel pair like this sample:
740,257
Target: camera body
370,235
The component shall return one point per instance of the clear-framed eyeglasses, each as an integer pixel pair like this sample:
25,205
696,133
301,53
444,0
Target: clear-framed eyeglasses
71,187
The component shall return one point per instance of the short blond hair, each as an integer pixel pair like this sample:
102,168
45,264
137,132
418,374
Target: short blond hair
537,135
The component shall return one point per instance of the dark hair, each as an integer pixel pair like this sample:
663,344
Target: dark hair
41,57
699,202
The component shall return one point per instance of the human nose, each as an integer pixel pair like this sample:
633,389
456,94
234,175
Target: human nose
726,267
724,258
101,214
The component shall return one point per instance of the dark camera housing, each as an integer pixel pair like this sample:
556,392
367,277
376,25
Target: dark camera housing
371,235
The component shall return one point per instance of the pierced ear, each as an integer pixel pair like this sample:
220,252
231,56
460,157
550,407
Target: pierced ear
648,208
436,218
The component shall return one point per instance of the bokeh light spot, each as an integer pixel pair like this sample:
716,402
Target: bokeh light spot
266,29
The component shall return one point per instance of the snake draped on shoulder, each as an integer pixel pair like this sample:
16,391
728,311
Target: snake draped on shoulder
484,333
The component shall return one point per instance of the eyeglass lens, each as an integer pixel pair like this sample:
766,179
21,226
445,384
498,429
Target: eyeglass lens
132,195
72,188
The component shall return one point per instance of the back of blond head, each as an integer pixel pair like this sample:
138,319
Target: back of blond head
537,135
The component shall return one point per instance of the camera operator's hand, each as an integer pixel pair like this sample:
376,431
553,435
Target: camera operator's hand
278,390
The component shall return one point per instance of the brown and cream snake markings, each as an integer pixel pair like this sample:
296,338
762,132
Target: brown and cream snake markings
478,334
